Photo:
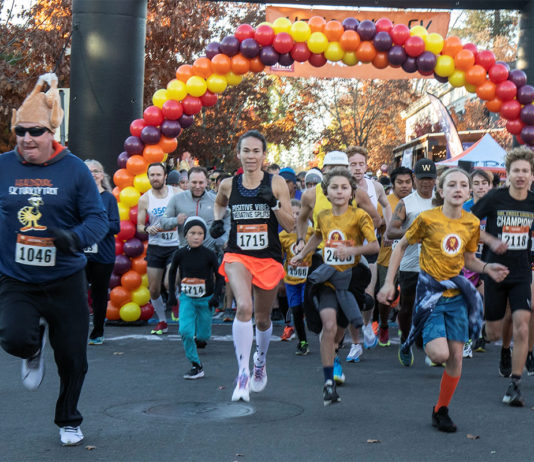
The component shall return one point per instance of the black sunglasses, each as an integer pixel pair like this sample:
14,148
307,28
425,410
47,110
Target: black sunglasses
33,131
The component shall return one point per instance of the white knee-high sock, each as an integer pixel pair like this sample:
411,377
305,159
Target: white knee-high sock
159,308
242,333
263,338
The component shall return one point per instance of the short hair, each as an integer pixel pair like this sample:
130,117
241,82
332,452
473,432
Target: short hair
351,150
156,164
252,134
520,153
197,169
273,166
400,171
222,176
488,176
295,203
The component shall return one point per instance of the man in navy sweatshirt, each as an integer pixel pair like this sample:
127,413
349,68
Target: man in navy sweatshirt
50,209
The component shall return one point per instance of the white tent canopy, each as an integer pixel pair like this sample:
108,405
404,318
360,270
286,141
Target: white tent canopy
485,153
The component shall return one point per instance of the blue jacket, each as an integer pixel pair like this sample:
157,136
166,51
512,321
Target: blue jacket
106,247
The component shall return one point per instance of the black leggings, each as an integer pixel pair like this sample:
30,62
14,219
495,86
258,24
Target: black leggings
98,275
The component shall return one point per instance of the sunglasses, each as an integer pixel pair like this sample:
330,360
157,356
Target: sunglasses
33,131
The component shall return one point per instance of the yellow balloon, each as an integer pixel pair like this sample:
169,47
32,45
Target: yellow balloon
176,90
457,79
141,183
129,196
130,312
434,43
281,25
444,66
196,86
300,31
165,157
144,280
350,59
124,211
470,88
317,42
216,83
233,79
418,30
159,97
265,23
141,296
334,52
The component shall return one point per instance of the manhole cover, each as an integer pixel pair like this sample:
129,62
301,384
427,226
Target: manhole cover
194,411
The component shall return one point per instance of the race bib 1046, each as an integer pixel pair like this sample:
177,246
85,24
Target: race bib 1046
252,237
35,251
193,287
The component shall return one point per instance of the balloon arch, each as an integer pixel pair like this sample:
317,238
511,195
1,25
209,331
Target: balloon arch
316,41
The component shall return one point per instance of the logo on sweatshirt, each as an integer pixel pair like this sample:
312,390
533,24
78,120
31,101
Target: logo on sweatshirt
30,215
451,244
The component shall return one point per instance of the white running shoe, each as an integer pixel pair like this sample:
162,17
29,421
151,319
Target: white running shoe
241,390
369,338
468,349
259,377
33,368
70,436
354,353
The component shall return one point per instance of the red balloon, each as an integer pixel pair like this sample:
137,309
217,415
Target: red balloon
127,230
498,73
383,25
133,215
515,126
264,35
317,60
244,31
118,246
510,110
519,139
208,99
137,126
172,110
400,33
283,43
506,90
472,48
192,105
153,115
300,52
414,46
485,58
147,311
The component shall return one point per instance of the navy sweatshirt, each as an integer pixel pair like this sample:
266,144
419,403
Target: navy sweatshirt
106,247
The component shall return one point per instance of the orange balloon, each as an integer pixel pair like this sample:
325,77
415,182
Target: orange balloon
452,46
486,91
145,246
240,64
366,52
136,165
153,153
202,67
333,30
381,60
184,72
476,75
317,24
122,178
119,296
168,144
494,105
112,312
131,280
116,192
464,60
350,40
139,265
256,65
221,64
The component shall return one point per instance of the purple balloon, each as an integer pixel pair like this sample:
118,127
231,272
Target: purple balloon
230,45
527,115
141,235
114,280
382,41
396,56
286,60
410,65
122,264
527,134
171,128
366,29
350,24
518,77
150,134
133,247
505,64
269,56
426,61
186,120
525,94
441,79
122,158
212,49
250,48
133,145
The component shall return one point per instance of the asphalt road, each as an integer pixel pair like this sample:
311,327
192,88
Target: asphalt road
137,407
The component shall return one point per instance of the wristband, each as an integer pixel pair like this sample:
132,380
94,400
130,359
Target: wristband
276,206
484,268
146,226
300,239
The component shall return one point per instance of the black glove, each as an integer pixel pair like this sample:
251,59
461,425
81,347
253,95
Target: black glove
214,301
217,229
66,241
266,193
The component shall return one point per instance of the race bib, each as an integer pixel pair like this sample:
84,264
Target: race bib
168,235
252,237
516,237
35,251
91,249
193,287
330,257
297,272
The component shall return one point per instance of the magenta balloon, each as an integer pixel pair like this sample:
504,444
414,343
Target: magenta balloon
527,115
382,41
133,145
396,56
366,30
114,280
141,236
441,79
525,94
122,158
250,48
150,134
133,247
410,65
527,134
122,264
426,61
171,128
230,45
269,56
286,59
350,24
186,120
518,77
212,49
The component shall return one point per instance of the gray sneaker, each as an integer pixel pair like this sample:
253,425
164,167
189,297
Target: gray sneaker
513,395
33,368
529,365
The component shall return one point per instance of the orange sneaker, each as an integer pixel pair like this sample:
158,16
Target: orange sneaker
289,333
375,327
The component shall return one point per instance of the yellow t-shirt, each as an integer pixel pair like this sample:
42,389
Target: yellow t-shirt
294,274
444,242
350,229
386,245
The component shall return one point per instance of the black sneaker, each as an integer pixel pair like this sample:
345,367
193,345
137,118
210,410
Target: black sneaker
200,343
302,348
196,372
505,364
480,345
513,395
330,395
442,421
529,365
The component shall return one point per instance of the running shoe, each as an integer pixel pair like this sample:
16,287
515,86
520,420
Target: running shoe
354,353
259,376
406,359
302,348
505,364
241,390
201,344
468,349
33,368
375,327
339,377
529,365
229,315
196,372
442,421
431,363
330,395
480,345
369,337
383,337
513,395
70,436
175,312
288,334
96,341
160,329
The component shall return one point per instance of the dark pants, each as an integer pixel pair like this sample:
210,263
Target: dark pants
63,304
98,275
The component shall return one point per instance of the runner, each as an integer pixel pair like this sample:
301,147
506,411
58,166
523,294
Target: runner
252,262
161,244
448,308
